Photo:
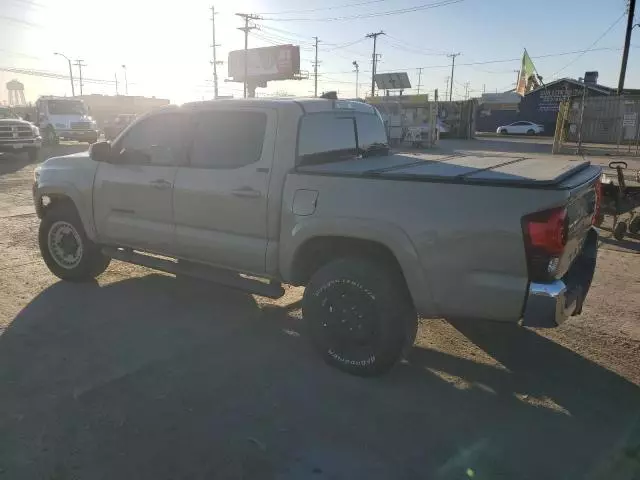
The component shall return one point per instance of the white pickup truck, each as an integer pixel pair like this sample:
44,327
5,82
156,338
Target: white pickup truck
256,193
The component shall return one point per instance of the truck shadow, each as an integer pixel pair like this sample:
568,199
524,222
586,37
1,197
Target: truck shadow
152,377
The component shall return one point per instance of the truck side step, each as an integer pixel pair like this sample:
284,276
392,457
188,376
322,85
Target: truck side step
227,278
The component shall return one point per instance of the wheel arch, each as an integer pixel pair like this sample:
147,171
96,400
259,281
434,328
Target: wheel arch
314,243
46,197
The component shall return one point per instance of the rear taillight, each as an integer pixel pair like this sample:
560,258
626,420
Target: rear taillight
596,209
548,230
545,236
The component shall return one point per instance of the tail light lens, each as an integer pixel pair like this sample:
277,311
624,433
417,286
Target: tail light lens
596,211
545,235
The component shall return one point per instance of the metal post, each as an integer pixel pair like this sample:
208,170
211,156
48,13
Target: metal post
80,65
126,82
419,80
374,60
73,91
246,29
453,65
357,67
627,42
315,71
584,97
116,77
215,61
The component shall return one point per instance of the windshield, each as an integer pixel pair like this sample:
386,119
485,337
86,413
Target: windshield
6,113
66,107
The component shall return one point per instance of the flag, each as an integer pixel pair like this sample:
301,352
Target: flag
527,79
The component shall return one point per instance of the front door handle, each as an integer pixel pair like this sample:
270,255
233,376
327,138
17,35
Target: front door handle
160,184
247,192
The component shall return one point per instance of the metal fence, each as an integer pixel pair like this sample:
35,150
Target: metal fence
599,125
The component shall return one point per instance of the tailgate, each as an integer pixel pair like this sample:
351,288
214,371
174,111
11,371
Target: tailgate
582,207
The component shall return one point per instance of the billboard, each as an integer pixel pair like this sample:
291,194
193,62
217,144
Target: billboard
392,81
281,62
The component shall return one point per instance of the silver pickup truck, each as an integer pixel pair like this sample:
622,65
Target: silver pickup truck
256,193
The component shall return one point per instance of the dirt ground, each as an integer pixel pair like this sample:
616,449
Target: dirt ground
144,376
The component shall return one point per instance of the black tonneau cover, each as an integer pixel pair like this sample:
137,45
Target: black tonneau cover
526,171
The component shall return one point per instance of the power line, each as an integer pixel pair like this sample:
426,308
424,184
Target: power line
52,75
506,60
399,11
348,5
592,45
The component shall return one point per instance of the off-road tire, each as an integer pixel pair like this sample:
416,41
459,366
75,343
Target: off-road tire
365,293
92,261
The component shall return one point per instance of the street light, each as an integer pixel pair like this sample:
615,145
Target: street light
73,91
126,83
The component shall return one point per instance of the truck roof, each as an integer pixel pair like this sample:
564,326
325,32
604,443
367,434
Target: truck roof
307,105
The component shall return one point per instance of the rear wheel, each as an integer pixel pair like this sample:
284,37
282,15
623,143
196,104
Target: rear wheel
65,247
634,226
504,131
359,316
531,132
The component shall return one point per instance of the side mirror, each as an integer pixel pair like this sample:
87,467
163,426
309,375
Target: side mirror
100,152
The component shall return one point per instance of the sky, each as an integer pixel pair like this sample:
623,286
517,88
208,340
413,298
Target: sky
167,47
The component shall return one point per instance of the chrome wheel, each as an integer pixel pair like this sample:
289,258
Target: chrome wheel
65,245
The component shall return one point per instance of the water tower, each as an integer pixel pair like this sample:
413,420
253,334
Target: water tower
16,93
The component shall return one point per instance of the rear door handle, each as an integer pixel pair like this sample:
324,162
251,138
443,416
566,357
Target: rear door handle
160,184
247,192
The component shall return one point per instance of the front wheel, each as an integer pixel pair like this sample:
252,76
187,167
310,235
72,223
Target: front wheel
359,316
504,131
531,132
65,247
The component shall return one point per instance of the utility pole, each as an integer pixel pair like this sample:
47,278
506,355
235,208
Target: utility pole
627,40
115,75
246,29
453,65
315,71
357,67
484,88
214,61
126,82
374,60
447,90
80,64
419,79
466,90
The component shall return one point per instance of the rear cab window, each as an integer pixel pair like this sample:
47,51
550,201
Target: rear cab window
339,135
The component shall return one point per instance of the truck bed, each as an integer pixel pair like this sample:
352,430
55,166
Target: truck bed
521,171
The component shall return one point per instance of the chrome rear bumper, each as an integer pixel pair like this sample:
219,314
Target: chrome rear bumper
550,304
